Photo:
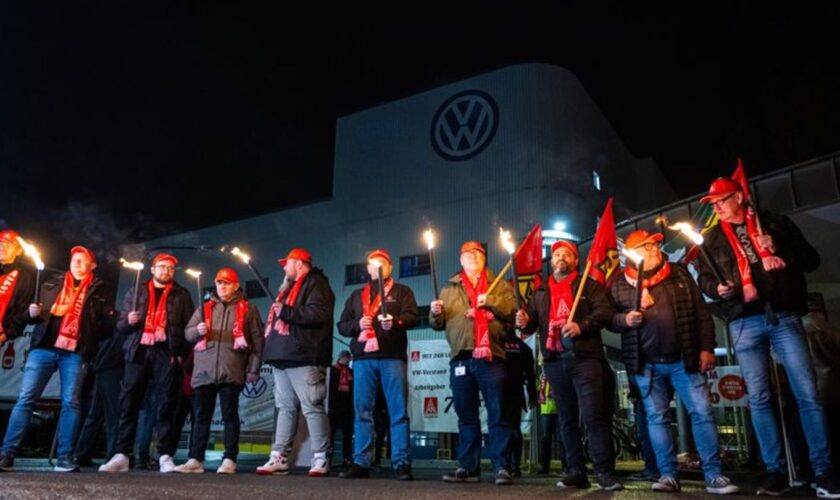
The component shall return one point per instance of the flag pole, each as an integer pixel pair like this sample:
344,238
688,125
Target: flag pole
580,289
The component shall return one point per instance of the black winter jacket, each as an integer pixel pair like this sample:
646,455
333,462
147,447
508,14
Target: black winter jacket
693,326
179,310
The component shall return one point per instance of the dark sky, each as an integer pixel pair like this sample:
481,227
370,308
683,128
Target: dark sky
121,123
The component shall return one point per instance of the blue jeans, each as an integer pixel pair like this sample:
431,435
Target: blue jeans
40,365
752,337
368,375
694,395
488,378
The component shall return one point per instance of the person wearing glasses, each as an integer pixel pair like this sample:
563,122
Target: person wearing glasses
153,327
763,257
668,340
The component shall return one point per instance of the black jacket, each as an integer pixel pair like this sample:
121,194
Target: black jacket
693,328
785,289
17,314
400,304
310,322
520,371
97,321
595,311
179,309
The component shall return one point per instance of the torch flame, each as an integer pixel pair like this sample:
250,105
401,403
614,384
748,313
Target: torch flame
429,236
633,255
375,263
689,231
192,272
31,252
507,241
136,266
242,255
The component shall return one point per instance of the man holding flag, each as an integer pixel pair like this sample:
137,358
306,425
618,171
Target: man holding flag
763,261
573,355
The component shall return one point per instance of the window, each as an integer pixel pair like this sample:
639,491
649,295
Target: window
355,274
415,265
596,180
253,290
424,318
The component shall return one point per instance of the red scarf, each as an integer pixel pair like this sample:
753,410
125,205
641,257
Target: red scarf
481,317
562,298
239,342
68,305
345,377
7,290
287,296
768,260
155,328
631,274
370,310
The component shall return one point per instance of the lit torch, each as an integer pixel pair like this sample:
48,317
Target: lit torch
510,248
429,236
236,252
697,239
33,253
637,258
134,266
197,275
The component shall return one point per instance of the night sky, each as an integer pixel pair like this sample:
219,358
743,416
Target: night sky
118,123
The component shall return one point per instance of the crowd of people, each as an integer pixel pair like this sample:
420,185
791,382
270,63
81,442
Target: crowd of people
175,359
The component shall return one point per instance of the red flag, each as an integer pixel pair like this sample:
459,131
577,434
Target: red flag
740,177
528,257
604,251
528,262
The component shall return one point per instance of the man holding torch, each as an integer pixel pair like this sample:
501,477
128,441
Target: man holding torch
668,340
17,287
574,363
75,312
763,299
153,324
379,342
227,332
298,346
475,323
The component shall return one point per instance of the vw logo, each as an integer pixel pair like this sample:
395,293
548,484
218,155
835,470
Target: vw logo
253,391
464,125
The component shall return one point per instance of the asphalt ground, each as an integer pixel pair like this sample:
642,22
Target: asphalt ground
34,480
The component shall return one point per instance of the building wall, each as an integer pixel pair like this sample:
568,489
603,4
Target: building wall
391,183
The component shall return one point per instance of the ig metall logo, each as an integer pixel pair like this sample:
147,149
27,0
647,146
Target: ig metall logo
464,125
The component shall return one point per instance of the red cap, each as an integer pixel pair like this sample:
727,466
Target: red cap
565,244
639,237
721,187
161,257
380,254
80,249
473,246
297,253
227,274
10,235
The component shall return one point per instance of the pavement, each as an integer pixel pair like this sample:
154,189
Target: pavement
34,480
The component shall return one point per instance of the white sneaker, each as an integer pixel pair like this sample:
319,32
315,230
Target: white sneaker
320,465
277,464
228,467
192,466
166,464
118,463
